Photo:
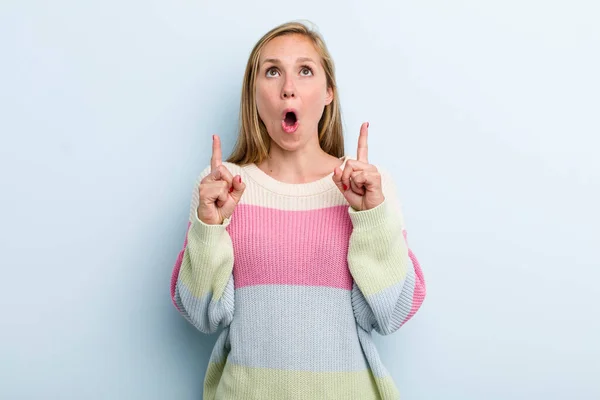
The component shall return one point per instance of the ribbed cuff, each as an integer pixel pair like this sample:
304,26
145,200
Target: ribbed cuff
367,219
208,234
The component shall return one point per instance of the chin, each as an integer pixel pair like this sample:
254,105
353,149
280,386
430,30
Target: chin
287,146
288,142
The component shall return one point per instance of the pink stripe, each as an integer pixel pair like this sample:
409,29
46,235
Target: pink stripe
177,267
419,290
291,247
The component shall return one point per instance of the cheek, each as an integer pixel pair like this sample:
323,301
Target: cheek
263,99
317,99
258,95
260,103
264,107
316,91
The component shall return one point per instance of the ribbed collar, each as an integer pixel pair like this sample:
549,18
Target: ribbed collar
292,189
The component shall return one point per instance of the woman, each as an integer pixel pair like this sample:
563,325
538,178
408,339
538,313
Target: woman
297,251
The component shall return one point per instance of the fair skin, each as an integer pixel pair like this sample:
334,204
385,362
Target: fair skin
291,76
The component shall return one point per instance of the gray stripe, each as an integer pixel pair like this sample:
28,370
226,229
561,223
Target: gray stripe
371,354
222,347
204,313
310,328
405,302
384,311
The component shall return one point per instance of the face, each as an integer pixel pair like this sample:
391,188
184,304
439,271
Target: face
291,91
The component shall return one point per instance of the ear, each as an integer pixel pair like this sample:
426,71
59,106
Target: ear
329,96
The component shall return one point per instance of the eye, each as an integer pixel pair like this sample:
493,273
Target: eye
306,71
272,72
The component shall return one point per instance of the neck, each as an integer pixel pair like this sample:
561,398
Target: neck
300,166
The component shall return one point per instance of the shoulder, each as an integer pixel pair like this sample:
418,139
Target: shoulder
386,176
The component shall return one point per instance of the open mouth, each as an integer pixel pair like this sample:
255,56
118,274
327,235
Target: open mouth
290,121
290,118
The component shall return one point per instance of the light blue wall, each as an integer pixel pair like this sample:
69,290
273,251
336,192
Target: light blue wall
486,112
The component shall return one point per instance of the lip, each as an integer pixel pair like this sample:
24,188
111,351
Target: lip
287,110
287,128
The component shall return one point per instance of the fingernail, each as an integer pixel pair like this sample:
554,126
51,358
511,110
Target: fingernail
213,137
239,179
231,189
345,187
367,124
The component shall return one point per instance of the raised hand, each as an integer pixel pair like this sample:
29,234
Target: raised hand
219,191
359,181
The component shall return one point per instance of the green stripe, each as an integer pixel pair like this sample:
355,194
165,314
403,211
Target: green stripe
377,252
208,260
237,382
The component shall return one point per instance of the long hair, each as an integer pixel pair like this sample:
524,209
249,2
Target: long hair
253,142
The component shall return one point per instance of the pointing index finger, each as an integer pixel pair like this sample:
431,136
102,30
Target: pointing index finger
215,161
362,152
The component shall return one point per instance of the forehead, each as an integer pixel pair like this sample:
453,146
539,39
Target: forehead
289,48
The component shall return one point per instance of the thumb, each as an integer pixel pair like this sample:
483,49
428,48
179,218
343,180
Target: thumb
337,179
238,189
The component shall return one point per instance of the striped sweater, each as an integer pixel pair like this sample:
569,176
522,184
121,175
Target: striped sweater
297,280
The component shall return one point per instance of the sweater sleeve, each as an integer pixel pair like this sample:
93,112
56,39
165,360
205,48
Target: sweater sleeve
388,286
202,281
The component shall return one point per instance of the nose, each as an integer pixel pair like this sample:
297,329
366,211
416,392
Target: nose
288,91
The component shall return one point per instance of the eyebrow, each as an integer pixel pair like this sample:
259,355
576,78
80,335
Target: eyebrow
298,60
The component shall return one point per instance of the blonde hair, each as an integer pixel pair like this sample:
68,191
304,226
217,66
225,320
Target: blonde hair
252,145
